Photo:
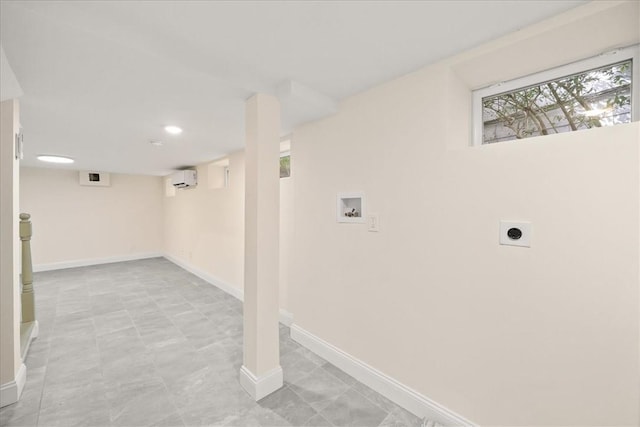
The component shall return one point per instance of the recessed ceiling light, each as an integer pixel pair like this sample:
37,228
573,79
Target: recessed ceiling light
54,159
173,130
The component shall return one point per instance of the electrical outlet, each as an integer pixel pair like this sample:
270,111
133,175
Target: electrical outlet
515,233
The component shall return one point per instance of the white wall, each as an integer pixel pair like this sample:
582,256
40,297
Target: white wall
10,264
501,335
74,224
201,228
204,227
287,227
504,336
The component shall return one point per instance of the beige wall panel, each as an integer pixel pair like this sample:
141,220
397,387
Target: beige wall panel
74,223
546,335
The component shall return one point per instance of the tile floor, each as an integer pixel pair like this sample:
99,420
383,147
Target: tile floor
145,343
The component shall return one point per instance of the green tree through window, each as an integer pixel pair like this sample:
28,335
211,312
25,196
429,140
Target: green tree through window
594,98
285,166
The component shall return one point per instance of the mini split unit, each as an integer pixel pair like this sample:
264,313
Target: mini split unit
184,179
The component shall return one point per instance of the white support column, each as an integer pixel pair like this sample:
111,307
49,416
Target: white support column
12,370
261,373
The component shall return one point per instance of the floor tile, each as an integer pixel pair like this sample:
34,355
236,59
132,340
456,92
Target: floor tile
339,373
258,416
87,411
217,409
353,409
297,366
399,417
144,343
173,420
76,327
289,406
28,420
319,388
79,385
190,389
113,321
130,365
375,397
318,421
144,409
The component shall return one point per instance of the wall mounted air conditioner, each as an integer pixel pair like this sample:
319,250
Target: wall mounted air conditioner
184,179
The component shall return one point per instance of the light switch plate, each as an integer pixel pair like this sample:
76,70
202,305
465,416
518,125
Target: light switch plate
373,222
515,233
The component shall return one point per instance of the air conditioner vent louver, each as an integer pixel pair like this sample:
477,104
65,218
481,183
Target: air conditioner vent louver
184,179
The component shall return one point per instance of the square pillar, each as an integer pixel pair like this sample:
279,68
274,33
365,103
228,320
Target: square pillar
261,373
13,372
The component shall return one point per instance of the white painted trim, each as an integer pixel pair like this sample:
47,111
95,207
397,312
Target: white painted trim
94,261
218,283
576,67
35,330
10,392
411,400
262,386
286,318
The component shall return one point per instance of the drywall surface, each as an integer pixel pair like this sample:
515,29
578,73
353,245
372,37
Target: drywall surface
74,223
204,227
502,335
287,227
10,264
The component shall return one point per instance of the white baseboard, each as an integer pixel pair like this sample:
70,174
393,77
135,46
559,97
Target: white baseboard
93,261
35,330
411,400
10,392
286,318
262,386
220,284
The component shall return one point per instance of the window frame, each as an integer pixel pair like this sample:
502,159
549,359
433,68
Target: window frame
607,58
286,153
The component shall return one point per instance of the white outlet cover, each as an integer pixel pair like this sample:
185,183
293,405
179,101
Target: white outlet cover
373,222
523,226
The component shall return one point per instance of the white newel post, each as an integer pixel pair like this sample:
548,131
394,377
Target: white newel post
28,301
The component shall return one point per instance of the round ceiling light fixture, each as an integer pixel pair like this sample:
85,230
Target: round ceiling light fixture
173,130
54,159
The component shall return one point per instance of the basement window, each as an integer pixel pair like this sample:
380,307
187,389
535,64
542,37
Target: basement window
596,92
285,164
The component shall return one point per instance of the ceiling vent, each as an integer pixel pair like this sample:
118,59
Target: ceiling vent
95,179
